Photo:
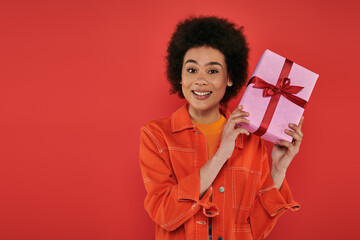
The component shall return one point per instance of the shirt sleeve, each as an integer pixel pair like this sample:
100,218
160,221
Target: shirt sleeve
169,201
270,203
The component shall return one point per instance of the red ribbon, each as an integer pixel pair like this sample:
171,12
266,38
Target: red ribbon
282,88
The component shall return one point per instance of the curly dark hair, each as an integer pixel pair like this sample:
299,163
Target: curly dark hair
214,32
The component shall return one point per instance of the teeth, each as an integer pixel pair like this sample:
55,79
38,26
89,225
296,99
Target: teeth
202,93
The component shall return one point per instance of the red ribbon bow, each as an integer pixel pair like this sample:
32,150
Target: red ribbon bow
284,89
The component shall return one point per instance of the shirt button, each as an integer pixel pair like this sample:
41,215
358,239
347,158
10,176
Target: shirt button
221,189
220,238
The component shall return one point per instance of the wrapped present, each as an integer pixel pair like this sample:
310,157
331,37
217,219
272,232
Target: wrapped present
276,95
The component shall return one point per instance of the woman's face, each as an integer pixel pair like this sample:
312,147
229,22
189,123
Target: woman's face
204,78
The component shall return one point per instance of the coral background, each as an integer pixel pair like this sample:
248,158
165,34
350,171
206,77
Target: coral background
78,78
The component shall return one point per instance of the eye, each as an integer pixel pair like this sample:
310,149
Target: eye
191,70
213,71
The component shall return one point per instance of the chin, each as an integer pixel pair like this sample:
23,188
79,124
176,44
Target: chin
203,106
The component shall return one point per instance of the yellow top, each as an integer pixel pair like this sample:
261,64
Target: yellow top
212,133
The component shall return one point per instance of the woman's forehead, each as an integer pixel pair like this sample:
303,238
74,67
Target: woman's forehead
204,55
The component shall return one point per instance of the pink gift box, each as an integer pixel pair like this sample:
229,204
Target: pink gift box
273,69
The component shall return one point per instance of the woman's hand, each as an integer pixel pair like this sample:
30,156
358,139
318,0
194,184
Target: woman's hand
231,131
211,168
284,152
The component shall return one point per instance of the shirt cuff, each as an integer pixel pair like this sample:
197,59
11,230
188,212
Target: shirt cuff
275,201
189,189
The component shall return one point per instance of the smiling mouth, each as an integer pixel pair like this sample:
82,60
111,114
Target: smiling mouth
202,93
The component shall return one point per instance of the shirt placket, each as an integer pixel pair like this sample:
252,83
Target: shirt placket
202,222
219,193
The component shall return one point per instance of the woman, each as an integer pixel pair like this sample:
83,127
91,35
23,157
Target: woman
205,177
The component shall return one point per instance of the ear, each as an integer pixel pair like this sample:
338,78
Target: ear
229,82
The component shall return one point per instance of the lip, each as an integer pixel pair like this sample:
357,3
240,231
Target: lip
201,97
201,91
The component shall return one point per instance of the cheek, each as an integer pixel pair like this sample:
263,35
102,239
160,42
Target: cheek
221,84
185,81
222,91
184,86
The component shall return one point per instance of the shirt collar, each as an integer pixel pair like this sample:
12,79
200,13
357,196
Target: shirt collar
180,120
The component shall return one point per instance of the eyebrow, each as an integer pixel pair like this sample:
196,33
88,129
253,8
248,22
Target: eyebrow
209,63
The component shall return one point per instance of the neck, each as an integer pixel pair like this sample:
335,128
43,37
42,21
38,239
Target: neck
205,116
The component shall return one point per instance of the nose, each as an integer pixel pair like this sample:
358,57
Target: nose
200,80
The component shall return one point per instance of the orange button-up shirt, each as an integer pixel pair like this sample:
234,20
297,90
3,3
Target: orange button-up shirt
245,202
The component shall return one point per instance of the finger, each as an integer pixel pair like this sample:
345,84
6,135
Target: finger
241,108
239,113
284,143
241,130
297,137
239,119
301,122
238,109
296,128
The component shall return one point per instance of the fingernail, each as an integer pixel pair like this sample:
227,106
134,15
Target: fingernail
291,125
